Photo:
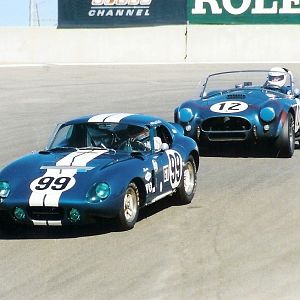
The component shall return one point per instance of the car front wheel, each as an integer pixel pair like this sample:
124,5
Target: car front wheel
285,143
129,212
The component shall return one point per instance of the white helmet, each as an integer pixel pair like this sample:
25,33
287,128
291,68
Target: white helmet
277,76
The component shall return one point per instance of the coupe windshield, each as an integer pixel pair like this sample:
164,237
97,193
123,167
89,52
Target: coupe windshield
235,80
114,136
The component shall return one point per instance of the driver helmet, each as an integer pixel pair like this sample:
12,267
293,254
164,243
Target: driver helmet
277,76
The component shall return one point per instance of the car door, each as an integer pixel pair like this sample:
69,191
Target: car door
166,167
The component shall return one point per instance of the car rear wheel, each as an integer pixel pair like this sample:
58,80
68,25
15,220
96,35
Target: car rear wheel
285,143
129,212
187,187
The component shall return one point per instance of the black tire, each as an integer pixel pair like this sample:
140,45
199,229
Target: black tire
285,143
129,212
7,224
187,187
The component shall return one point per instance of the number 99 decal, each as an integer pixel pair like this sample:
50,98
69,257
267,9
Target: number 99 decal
49,183
175,167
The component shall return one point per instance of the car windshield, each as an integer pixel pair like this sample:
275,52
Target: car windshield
236,80
115,136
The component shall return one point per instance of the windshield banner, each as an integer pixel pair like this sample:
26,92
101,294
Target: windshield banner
243,11
120,13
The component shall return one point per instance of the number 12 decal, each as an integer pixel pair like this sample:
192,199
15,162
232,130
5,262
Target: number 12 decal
229,107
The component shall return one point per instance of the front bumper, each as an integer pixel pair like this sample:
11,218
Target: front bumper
74,213
232,129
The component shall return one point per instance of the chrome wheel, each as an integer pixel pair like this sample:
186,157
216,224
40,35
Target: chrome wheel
189,178
130,204
129,211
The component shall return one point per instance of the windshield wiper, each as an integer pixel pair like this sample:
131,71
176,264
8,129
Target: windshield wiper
63,149
92,148
97,148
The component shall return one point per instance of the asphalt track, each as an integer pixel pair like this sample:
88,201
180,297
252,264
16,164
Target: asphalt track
239,239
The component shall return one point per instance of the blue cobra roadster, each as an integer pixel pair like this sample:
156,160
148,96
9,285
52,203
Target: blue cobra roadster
107,165
242,106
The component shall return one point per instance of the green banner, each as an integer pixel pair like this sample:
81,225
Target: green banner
243,11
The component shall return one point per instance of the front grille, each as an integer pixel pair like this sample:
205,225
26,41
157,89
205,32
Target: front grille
226,136
45,213
235,96
226,123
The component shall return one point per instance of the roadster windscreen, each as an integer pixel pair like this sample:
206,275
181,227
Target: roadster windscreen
235,80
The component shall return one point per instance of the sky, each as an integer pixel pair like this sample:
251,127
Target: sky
16,12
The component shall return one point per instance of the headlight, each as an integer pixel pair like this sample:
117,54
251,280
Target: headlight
4,189
267,114
185,115
98,192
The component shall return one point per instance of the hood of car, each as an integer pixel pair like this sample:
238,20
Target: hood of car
36,164
59,174
251,97
239,102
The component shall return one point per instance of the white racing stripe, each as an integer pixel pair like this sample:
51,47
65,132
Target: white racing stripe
46,223
99,118
114,118
54,223
117,118
50,195
39,223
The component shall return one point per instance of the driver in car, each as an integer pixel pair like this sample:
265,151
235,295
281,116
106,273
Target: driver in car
137,139
277,80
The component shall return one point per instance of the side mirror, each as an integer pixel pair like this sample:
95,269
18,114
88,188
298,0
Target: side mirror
159,145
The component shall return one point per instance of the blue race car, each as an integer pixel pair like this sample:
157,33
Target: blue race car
255,106
107,165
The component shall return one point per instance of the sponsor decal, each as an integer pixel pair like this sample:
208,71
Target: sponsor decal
120,13
120,8
155,165
157,122
244,11
166,173
229,107
254,6
148,176
150,188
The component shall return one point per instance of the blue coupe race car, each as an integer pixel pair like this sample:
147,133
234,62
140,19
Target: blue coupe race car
107,165
255,106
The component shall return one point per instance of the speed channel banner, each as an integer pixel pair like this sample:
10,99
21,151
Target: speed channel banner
120,13
243,11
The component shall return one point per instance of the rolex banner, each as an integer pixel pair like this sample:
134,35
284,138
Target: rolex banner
243,11
120,13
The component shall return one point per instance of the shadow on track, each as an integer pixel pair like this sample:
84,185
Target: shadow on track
101,227
241,150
